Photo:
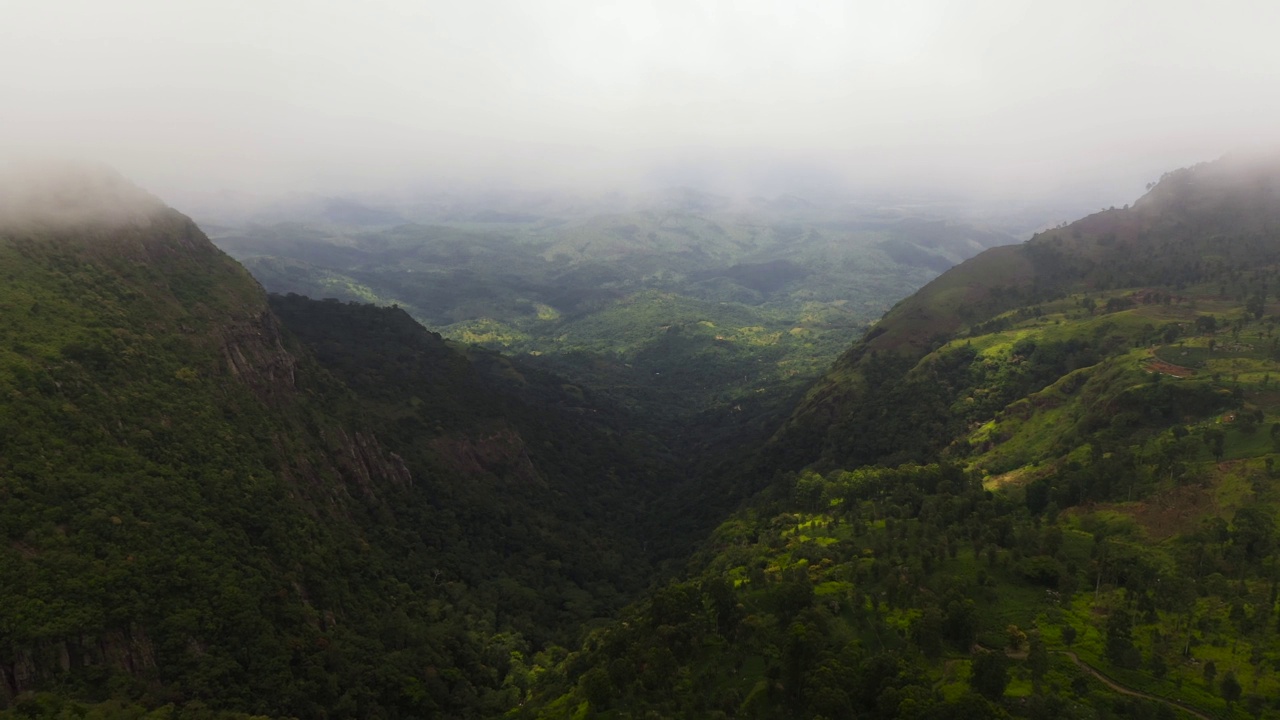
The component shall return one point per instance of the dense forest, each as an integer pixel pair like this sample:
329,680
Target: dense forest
1031,490
1042,486
318,510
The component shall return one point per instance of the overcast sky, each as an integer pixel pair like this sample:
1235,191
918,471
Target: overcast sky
262,95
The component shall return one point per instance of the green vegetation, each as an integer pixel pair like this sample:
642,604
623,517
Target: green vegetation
909,592
1104,490
1043,487
205,512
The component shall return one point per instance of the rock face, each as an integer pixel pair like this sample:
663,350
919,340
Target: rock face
255,354
500,454
127,651
366,464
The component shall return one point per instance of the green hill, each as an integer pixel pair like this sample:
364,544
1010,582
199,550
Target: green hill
1201,233
339,515
1043,486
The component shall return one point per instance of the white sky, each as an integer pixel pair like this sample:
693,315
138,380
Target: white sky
262,95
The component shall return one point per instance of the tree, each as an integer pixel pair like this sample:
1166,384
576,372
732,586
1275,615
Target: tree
927,631
989,675
1080,685
1210,672
1015,637
1230,687
1256,305
1120,648
961,623
1038,660
596,687
1253,530
1216,441
1068,635
1248,422
724,602
793,592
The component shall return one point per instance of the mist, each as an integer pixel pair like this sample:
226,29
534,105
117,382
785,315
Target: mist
233,98
45,193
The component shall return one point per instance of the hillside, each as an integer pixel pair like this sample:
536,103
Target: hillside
337,515
1210,224
1043,486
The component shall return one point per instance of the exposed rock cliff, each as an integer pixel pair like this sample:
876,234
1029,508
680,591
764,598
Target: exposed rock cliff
256,355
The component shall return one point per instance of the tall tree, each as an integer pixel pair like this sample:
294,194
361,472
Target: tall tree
990,675
1230,687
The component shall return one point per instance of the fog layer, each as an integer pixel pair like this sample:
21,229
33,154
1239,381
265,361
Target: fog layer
741,95
38,194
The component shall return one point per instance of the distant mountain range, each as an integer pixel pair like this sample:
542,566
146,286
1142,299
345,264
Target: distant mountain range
764,294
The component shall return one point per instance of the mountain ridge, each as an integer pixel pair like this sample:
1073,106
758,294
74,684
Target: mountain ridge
197,511
1088,255
1024,481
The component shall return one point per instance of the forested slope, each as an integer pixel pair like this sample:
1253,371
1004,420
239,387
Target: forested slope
1214,223
201,509
1055,463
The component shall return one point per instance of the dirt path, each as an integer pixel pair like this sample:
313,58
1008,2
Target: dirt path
1154,364
1130,691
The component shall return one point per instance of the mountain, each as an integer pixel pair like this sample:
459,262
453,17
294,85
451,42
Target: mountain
1042,486
1197,226
228,504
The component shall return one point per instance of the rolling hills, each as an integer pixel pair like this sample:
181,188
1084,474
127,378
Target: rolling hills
703,316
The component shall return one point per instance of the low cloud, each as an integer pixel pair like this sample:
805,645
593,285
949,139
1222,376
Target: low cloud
62,194
981,98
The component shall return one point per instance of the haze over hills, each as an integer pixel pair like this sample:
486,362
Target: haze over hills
226,503
677,359
702,314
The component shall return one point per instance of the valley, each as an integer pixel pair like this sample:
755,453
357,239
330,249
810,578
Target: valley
662,360
546,483
702,316
1000,497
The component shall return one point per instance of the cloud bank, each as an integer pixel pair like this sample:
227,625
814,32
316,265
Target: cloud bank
973,97
53,194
